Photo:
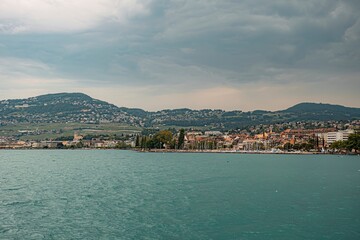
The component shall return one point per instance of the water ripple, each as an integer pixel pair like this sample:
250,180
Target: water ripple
128,195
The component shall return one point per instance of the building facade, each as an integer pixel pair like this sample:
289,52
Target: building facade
332,137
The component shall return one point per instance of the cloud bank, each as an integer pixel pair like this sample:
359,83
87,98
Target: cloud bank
181,53
63,16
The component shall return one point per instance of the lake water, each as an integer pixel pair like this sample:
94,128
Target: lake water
128,195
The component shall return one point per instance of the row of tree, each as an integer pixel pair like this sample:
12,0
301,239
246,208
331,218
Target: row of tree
299,146
352,144
161,139
166,139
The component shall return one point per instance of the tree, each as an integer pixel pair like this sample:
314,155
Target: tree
122,145
313,143
181,139
137,141
297,146
338,145
60,146
80,144
143,142
164,136
353,142
288,146
306,146
173,144
160,138
211,145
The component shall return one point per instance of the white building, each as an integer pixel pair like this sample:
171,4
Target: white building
337,136
213,133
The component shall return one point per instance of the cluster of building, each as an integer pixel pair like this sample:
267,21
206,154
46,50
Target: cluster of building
320,138
77,142
315,139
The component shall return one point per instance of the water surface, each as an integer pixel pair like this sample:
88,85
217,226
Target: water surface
128,195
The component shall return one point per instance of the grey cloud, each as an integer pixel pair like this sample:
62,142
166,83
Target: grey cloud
182,43
64,16
239,35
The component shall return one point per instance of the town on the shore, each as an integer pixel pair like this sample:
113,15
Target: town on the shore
336,137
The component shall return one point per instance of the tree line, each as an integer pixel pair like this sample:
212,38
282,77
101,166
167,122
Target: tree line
160,140
350,145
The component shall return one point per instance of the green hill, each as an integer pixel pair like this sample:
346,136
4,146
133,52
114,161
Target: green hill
320,111
81,108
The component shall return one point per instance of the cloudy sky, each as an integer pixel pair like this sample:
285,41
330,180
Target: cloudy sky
156,54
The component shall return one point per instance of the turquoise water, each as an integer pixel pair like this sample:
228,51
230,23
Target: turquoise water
129,195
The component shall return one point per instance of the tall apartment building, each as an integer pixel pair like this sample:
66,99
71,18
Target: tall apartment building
337,136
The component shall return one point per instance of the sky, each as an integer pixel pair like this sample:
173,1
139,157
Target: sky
165,54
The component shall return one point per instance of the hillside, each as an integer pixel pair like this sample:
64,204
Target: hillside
321,112
81,108
61,108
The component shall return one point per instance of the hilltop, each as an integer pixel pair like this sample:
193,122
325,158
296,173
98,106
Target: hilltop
81,108
61,108
320,111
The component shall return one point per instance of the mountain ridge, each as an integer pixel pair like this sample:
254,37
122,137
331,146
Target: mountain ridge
83,95
80,107
317,106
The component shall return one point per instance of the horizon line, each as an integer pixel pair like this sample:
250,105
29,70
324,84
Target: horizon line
180,108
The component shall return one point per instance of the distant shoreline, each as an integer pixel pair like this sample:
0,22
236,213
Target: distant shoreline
190,151
236,152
